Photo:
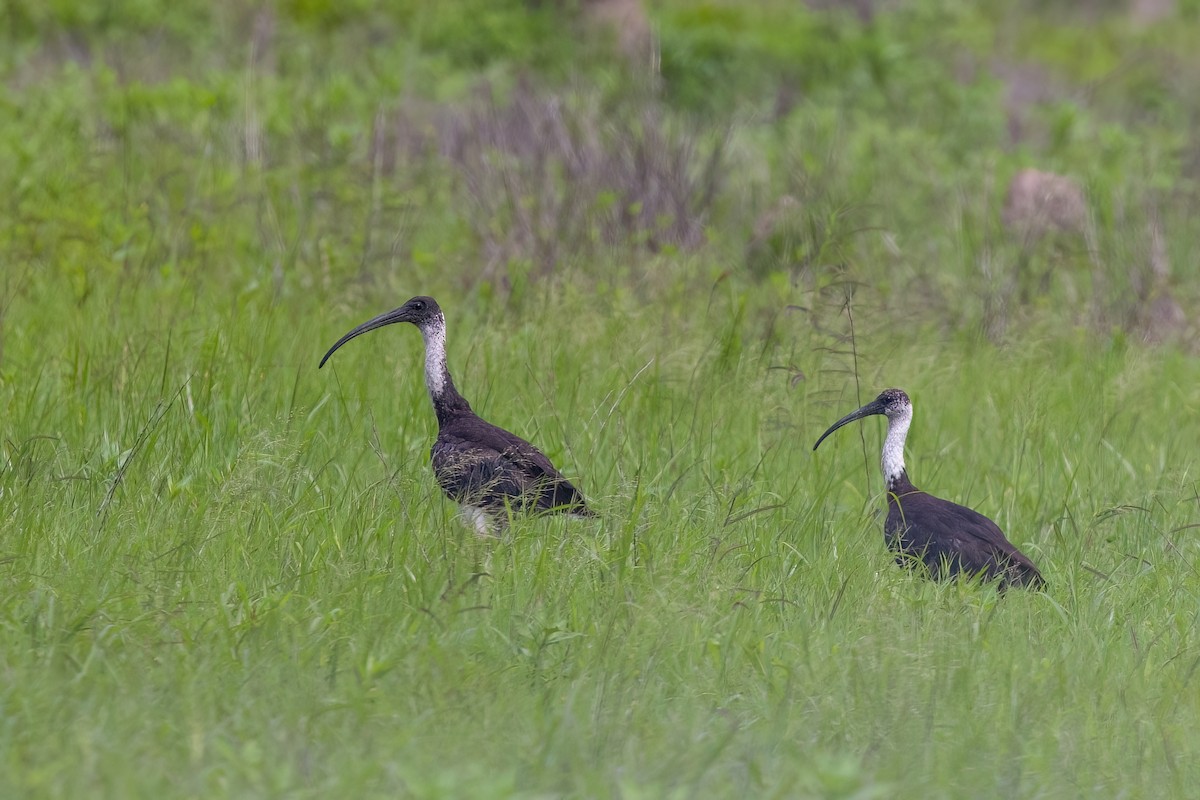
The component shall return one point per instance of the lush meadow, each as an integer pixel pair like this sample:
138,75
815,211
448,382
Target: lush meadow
225,572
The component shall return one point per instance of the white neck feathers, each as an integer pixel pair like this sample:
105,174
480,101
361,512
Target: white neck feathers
893,446
434,335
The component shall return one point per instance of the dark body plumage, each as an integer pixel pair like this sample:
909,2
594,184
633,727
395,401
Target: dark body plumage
486,469
951,539
479,464
948,539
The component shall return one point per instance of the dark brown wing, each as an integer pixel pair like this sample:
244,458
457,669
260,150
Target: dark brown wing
477,463
952,539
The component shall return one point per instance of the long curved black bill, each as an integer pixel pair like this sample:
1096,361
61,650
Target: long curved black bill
395,315
874,407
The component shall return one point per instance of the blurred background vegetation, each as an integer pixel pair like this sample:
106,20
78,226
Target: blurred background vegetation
869,143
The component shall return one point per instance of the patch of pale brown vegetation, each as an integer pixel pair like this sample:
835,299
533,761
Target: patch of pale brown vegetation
1026,86
1040,202
627,21
777,233
865,10
1161,317
547,178
1148,12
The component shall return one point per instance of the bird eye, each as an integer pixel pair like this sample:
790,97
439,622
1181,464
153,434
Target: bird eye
419,306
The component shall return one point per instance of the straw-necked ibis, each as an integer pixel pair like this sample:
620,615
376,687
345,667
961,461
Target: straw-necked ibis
485,469
947,538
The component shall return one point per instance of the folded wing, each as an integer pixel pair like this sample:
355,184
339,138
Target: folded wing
487,466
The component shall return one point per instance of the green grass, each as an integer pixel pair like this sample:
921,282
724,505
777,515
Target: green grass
226,573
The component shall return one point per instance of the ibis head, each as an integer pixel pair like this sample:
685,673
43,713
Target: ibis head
891,403
421,311
895,405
